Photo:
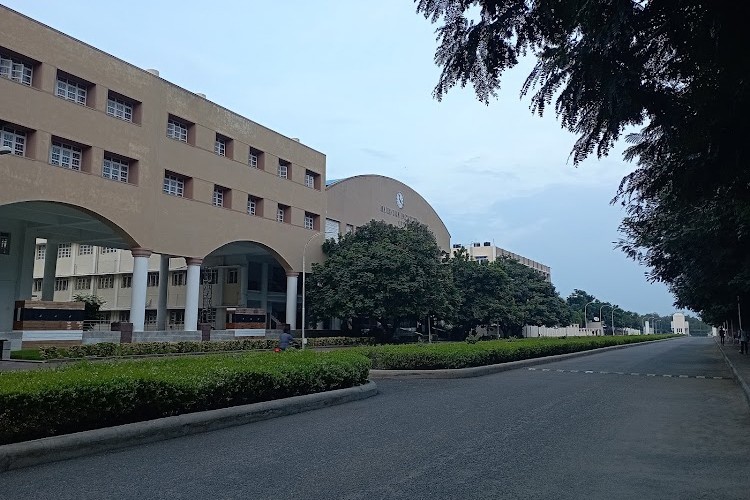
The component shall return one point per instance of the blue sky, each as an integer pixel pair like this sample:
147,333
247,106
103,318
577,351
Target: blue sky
354,80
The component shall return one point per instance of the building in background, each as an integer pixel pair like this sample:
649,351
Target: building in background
680,325
487,252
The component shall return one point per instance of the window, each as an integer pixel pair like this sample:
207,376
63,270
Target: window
124,316
153,279
83,283
210,276
283,170
37,285
63,250
174,185
120,108
70,90
14,139
253,158
280,214
179,278
4,243
310,179
15,69
309,221
252,205
223,146
177,130
85,249
349,228
61,284
126,281
218,199
106,281
65,155
176,317
232,276
115,169
333,229
41,250
108,250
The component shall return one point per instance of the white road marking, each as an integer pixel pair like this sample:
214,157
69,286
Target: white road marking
635,374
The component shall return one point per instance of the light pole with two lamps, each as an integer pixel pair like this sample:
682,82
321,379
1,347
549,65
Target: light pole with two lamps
304,273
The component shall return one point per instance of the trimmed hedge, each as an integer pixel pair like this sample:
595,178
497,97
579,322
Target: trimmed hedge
90,395
464,355
109,349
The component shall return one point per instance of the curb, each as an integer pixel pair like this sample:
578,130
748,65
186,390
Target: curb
480,371
56,448
743,385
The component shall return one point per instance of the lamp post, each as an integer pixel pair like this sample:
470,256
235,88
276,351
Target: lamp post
600,317
585,321
304,273
613,320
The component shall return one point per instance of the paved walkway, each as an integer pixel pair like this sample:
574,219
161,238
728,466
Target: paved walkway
738,363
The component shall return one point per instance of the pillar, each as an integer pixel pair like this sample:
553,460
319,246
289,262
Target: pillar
50,266
192,293
243,285
25,280
138,292
218,299
161,307
291,299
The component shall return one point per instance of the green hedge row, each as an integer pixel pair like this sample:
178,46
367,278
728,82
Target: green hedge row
108,349
89,395
464,355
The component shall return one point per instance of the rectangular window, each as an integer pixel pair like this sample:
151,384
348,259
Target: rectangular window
120,108
177,130
218,198
253,158
174,185
65,155
37,285
83,283
126,281
210,276
232,276
252,205
280,214
108,250
124,316
333,229
115,169
179,278
16,70
41,251
153,279
309,221
349,228
61,284
176,317
106,281
14,139
309,180
63,250
220,145
71,91
85,249
283,171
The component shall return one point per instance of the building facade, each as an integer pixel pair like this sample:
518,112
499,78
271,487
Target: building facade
488,252
106,155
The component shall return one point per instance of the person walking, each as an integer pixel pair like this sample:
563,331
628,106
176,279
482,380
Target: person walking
722,333
285,339
743,341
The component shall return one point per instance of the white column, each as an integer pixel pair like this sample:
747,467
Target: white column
243,285
291,300
191,293
138,293
50,266
161,307
26,270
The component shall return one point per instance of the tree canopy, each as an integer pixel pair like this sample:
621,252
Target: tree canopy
675,68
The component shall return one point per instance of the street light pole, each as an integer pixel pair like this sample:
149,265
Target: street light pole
304,273
585,321
600,316
613,320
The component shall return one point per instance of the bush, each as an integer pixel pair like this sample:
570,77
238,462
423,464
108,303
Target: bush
90,395
464,355
108,349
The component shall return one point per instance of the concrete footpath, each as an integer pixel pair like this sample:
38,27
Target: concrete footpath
738,363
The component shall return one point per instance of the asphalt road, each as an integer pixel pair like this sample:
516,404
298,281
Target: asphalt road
671,424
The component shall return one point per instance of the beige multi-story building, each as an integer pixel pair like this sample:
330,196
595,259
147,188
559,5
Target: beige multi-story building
488,252
105,155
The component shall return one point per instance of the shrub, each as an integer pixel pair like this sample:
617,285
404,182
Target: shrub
464,355
90,395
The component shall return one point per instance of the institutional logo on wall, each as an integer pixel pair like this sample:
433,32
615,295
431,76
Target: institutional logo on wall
400,200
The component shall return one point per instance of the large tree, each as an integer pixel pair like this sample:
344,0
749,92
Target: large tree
678,69
382,272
